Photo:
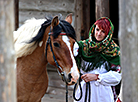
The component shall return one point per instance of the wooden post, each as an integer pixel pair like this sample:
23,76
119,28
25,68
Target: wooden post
16,9
7,59
78,18
128,38
102,8
85,26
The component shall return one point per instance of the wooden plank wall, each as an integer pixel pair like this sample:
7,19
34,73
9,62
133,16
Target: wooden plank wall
39,9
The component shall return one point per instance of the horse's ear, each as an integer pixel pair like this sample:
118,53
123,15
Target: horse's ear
55,21
69,18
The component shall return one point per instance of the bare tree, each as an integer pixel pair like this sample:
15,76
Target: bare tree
7,59
128,37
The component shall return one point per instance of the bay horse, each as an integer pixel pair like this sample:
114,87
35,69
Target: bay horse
39,42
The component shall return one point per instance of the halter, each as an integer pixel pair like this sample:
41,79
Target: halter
60,71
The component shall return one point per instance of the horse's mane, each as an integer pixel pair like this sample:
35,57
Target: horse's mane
28,30
30,34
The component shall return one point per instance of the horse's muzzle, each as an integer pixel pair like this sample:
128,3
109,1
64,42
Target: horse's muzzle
69,79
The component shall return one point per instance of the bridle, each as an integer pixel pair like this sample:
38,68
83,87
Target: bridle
60,71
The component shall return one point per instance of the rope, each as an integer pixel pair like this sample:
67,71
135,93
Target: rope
80,90
66,93
88,88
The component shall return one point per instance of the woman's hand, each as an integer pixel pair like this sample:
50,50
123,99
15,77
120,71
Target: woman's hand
89,77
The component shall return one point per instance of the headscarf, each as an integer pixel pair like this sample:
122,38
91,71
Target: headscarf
93,51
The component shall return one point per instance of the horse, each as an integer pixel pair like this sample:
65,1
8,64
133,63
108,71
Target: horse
39,42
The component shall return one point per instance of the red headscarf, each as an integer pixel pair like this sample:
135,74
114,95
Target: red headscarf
103,24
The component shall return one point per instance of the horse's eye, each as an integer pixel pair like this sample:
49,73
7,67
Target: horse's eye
56,44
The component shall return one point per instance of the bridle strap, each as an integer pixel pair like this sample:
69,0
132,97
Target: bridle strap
62,33
49,43
54,55
60,73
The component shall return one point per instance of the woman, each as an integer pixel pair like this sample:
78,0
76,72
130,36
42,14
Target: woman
98,59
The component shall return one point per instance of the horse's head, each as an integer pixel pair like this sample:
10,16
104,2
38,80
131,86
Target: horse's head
59,49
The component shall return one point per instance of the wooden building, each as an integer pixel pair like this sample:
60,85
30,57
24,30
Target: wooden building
85,13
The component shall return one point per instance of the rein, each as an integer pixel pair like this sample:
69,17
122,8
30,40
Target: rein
88,88
58,66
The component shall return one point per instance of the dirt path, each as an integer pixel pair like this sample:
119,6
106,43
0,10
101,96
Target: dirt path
57,95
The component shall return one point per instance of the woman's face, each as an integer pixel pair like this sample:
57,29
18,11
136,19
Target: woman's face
99,34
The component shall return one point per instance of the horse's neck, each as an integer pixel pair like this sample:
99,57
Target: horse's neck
39,53
36,61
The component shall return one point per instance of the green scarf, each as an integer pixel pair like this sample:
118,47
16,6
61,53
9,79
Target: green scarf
92,51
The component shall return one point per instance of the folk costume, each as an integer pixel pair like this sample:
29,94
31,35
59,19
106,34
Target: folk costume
101,58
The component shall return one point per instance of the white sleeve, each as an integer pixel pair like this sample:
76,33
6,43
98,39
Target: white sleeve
111,78
75,49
